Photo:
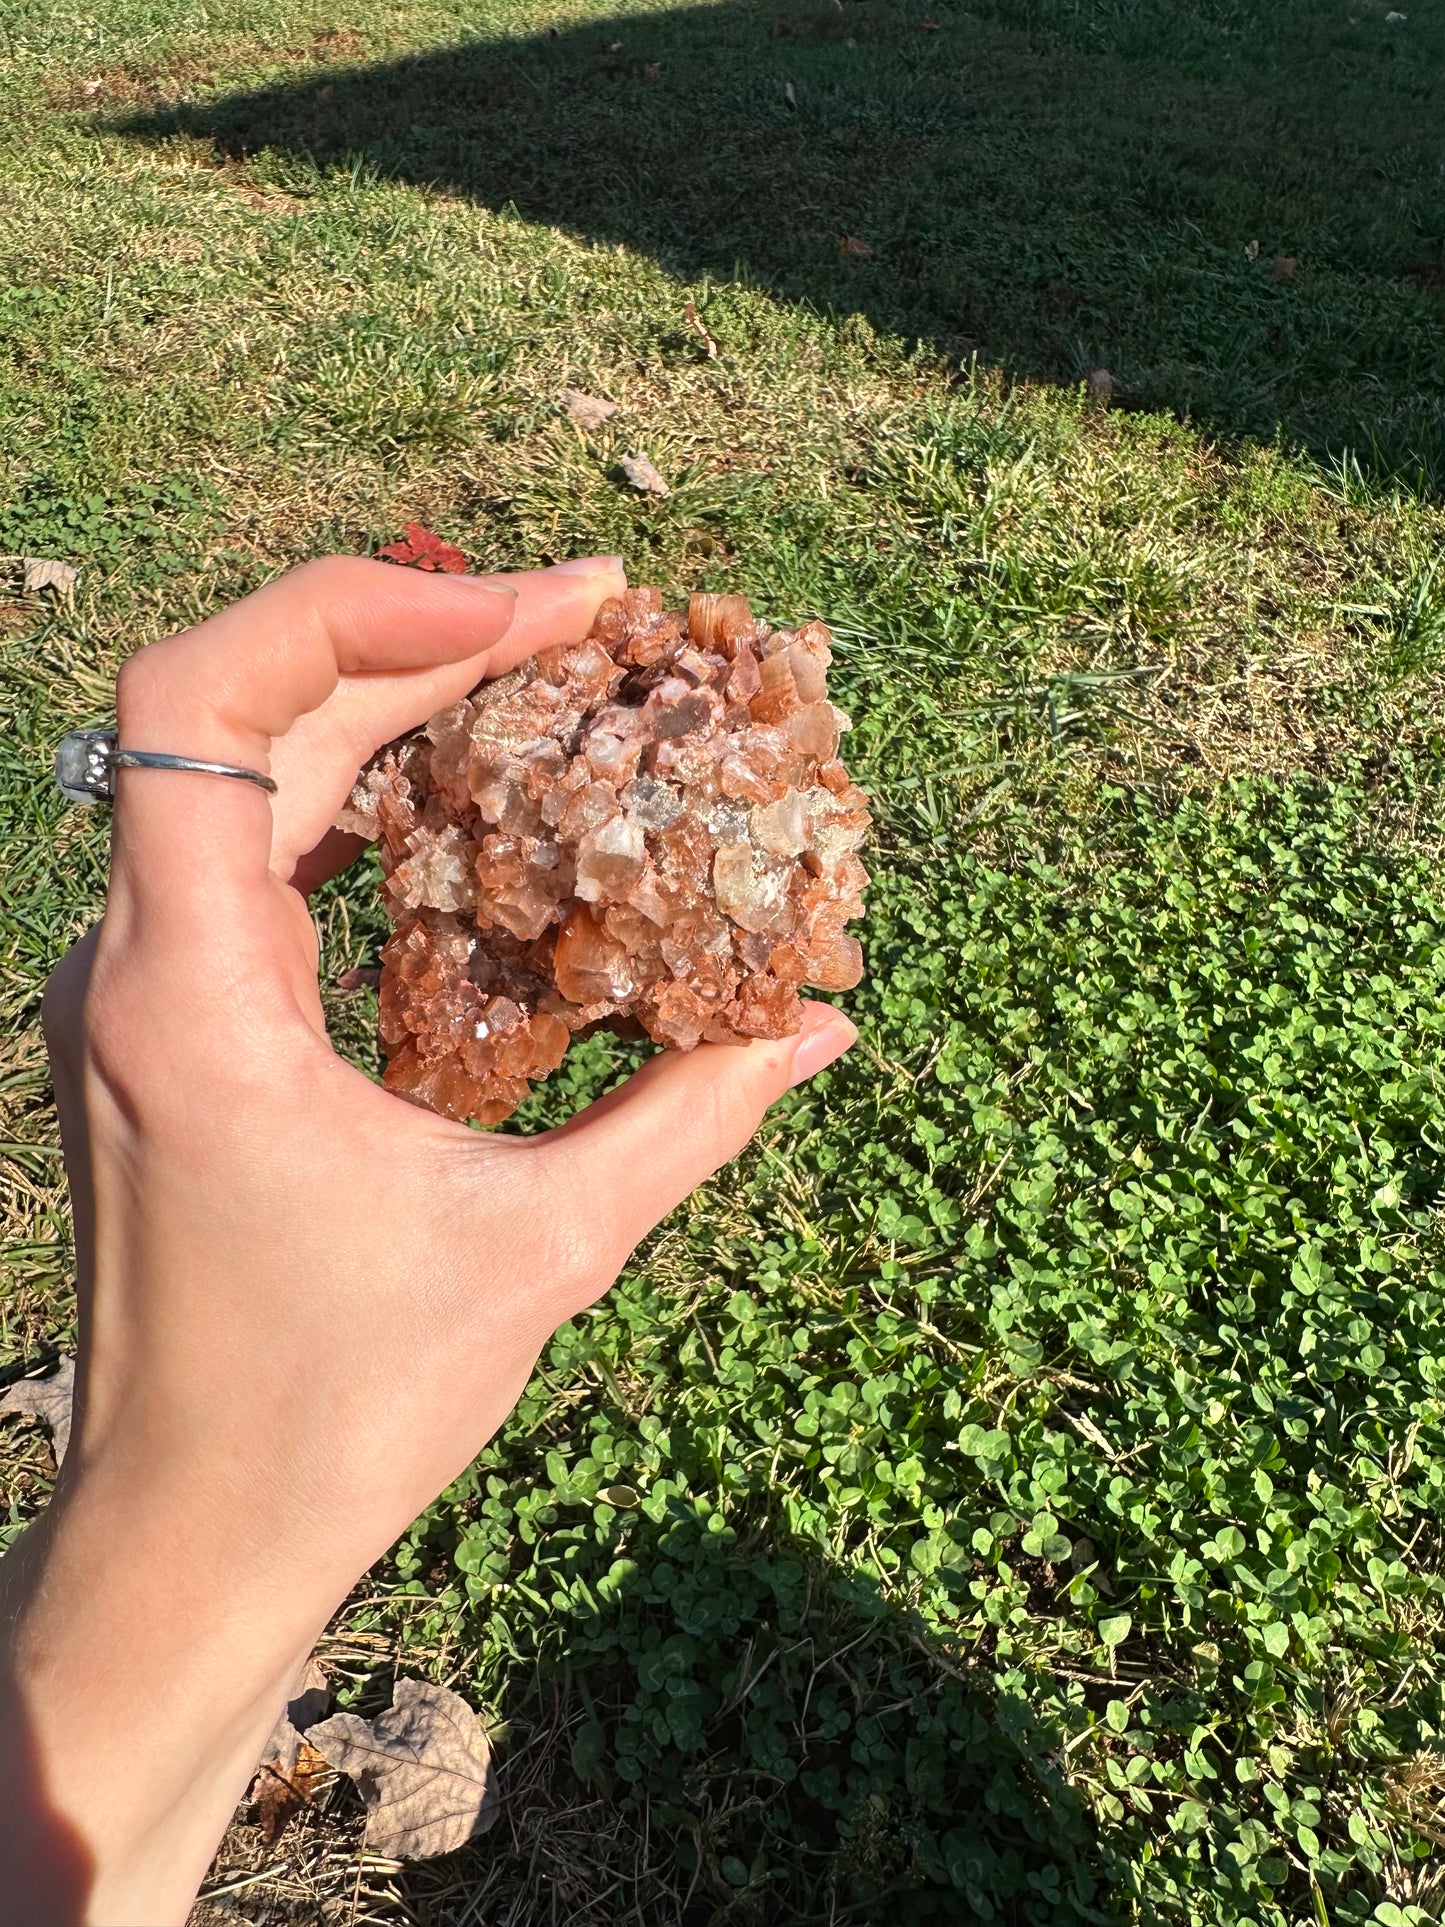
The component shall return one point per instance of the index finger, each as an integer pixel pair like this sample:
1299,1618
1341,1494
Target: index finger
315,763
191,852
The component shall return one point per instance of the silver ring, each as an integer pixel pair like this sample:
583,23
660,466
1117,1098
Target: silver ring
87,760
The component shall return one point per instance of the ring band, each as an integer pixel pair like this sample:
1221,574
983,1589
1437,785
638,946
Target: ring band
87,760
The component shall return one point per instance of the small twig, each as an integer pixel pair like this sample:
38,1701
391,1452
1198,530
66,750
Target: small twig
246,1880
699,326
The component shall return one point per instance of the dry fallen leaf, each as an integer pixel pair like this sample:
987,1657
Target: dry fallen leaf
424,1769
1100,384
642,475
588,411
49,1400
1251,251
43,572
420,549
360,977
849,244
1282,267
790,93
651,69
699,326
612,46
291,1770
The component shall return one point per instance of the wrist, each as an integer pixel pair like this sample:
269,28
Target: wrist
145,1668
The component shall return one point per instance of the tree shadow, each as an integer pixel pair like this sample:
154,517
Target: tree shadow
1232,207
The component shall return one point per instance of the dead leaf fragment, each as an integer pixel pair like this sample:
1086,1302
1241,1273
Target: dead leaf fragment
612,46
1282,267
424,1769
699,327
642,475
288,1786
47,1399
1251,251
790,94
850,245
421,549
588,411
291,1770
1100,385
933,26
651,69
360,977
44,572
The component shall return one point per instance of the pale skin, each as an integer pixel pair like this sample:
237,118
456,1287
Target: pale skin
305,1305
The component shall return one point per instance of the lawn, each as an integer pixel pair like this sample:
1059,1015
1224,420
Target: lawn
1013,1492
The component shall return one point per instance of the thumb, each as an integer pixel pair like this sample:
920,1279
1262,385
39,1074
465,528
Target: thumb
631,1157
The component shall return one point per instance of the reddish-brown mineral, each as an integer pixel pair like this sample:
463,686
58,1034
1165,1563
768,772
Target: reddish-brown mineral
652,825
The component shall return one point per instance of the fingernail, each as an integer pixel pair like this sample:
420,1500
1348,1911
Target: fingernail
586,565
825,1035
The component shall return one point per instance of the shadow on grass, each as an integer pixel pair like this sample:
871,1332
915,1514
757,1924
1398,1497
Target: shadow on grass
789,1745
1233,207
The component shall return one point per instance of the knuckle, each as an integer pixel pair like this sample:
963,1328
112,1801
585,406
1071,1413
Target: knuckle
329,578
61,1005
576,1247
571,1258
727,1114
136,685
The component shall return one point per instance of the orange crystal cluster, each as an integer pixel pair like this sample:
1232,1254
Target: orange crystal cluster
652,824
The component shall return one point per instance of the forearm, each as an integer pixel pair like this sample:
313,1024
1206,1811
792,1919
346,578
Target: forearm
145,1664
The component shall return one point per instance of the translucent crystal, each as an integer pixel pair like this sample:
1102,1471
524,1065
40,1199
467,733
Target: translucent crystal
650,827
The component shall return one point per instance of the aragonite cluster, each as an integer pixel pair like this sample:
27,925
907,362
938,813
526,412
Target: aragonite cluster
652,825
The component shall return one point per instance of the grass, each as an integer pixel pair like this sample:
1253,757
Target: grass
1012,1493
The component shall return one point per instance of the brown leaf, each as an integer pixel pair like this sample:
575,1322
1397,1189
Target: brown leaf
642,475
287,1783
49,1400
1282,267
588,411
932,26
1100,384
651,69
699,326
424,1769
291,1769
849,244
360,977
43,572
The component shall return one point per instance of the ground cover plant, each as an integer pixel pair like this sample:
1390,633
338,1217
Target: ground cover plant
1013,1492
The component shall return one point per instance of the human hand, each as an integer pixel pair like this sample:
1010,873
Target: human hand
305,1305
